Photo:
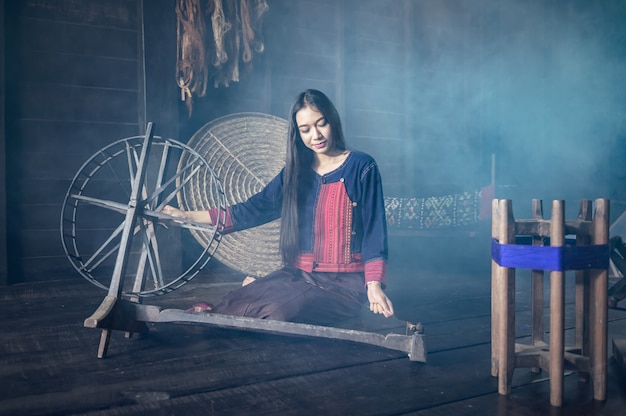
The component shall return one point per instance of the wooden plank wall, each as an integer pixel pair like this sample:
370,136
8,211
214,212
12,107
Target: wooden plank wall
4,276
376,57
73,87
446,99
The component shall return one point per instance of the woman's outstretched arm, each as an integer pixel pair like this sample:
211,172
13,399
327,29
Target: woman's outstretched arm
201,217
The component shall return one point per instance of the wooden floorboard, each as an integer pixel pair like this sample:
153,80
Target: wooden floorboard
367,389
529,399
48,362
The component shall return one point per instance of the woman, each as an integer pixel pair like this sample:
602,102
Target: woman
333,235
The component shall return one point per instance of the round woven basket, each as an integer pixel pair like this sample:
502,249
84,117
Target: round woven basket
246,151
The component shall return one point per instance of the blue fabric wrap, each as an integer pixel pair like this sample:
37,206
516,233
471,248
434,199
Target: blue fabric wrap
567,257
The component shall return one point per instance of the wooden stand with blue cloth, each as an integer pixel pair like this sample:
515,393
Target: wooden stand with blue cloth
588,256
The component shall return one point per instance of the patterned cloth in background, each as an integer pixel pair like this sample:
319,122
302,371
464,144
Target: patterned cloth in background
453,210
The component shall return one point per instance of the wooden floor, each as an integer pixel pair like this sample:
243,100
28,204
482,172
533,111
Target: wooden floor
48,363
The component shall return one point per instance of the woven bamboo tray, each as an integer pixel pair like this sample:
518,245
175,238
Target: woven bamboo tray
246,151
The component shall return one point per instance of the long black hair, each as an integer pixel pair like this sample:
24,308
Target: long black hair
298,160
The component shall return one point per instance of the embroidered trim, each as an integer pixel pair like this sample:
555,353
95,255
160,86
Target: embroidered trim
333,220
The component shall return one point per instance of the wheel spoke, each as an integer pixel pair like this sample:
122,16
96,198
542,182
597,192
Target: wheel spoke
164,158
113,236
131,155
113,172
104,203
150,252
177,189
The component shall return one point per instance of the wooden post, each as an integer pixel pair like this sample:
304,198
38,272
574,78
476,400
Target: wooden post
505,302
557,307
537,295
599,308
495,326
582,290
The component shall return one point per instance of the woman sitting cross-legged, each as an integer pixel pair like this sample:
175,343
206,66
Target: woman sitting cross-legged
333,235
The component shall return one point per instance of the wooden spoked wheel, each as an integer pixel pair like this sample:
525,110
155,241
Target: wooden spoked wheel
95,208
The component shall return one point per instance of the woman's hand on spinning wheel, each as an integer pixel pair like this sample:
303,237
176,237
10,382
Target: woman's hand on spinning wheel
201,217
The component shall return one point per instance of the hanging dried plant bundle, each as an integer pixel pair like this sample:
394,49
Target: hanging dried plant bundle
191,71
234,35
220,28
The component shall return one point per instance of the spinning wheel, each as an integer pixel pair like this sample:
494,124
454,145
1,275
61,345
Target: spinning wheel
96,206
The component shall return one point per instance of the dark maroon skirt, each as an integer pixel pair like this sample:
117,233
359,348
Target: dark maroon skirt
290,294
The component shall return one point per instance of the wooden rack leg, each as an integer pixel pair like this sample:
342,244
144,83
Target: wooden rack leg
557,347
582,290
506,352
599,315
537,326
495,291
505,303
557,308
582,307
599,308
537,292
